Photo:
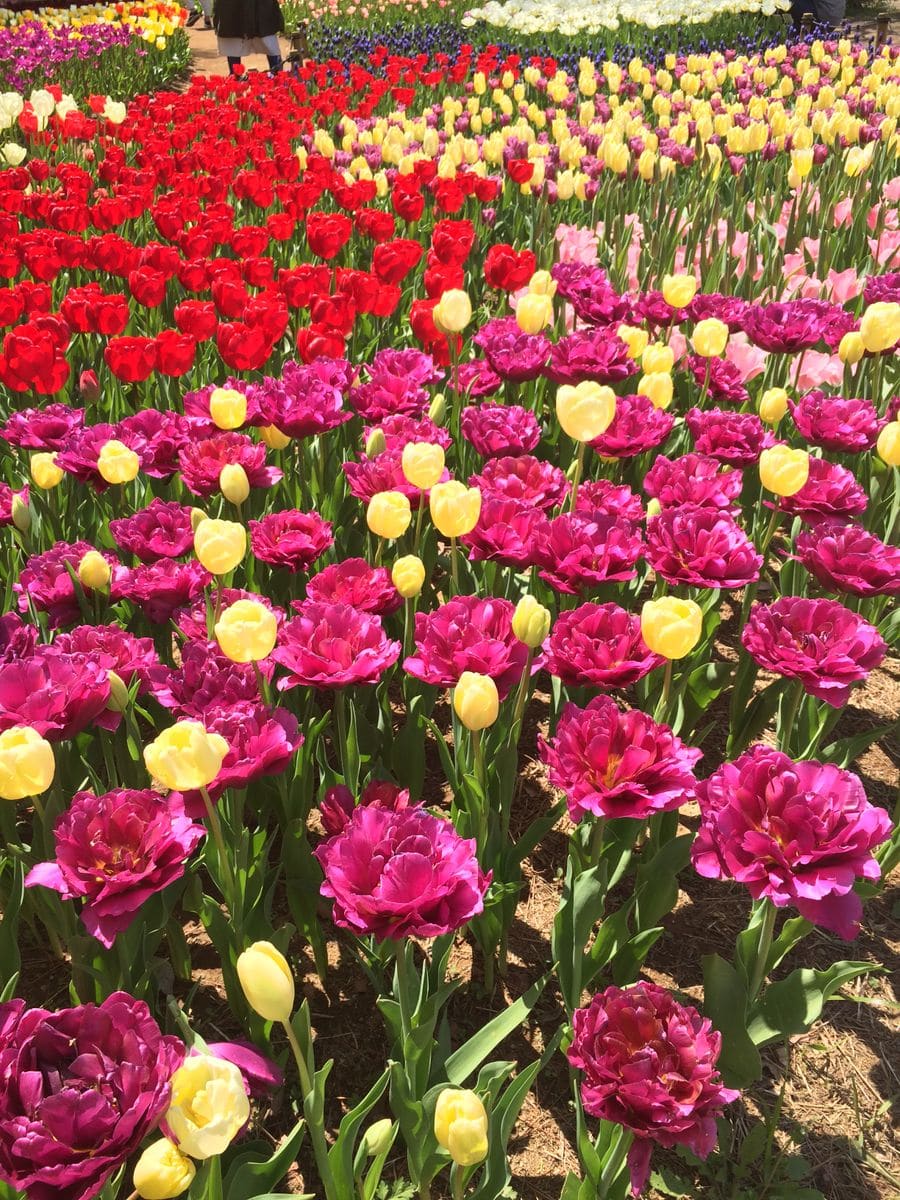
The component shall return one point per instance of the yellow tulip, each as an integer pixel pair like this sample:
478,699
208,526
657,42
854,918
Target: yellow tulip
455,508
531,622
586,410
246,631
782,470
408,576
220,545
185,757
27,765
44,471
267,981
671,627
117,463
163,1172
461,1126
94,572
228,408
422,464
388,514
476,700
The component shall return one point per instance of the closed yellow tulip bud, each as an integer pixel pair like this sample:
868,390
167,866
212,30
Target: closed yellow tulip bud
679,290
658,387
455,508
423,464
228,408
209,1105
234,483
378,1138
585,410
117,463
534,313
658,358
654,508
888,445
220,545
542,283
185,756
461,1126
531,622
476,700
453,311
20,513
782,470
880,326
163,1172
274,438
408,576
634,338
773,405
119,696
388,514
710,337
671,627
437,409
851,348
197,515
27,765
44,471
376,443
246,631
267,981
94,572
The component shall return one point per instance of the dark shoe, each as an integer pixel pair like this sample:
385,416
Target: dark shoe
193,18
207,23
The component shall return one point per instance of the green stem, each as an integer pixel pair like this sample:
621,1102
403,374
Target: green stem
420,516
770,532
316,1131
402,960
663,706
763,946
576,478
38,807
522,695
454,566
215,826
791,707
457,1186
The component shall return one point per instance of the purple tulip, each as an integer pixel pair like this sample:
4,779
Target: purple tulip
701,547
844,557
291,539
333,646
599,645
694,479
830,491
508,532
522,477
58,694
637,426
161,530
838,423
352,581
500,429
584,549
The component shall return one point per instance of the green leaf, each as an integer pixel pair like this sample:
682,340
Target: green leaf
246,1175
666,1181
10,959
341,1154
581,907
469,1057
725,1003
847,750
793,1005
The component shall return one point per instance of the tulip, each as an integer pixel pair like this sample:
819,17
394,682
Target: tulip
27,765
185,757
234,483
21,514
710,337
408,576
455,508
388,514
376,444
119,696
658,387
542,283
274,438
671,627
880,326
585,410
267,981
220,545
209,1105
117,463
437,409
228,408
531,622
163,1172
461,1126
453,311
534,313
773,405
679,290
634,338
246,631
888,445
476,701
378,1138
851,348
44,471
422,464
658,357
94,572
782,470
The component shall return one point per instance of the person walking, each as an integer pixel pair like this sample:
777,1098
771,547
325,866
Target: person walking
202,9
248,27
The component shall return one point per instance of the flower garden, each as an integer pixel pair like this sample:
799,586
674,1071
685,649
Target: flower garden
448,659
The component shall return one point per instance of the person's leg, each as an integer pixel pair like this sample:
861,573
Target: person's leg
207,7
275,62
233,62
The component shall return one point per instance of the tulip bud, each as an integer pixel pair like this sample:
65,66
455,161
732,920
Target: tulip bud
119,696
710,337
437,410
423,464
117,463
773,405
679,290
658,357
246,631
94,572
880,326
534,312
634,338
542,283
671,627
851,348
375,444
197,515
274,438
44,471
408,576
220,545
21,514
585,410
782,470
89,386
888,444
27,765
454,508
531,622
453,311
378,1138
163,1172
228,408
185,757
658,387
388,514
654,508
476,701
461,1126
234,483
267,981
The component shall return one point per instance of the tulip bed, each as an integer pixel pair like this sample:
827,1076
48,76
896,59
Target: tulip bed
450,571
